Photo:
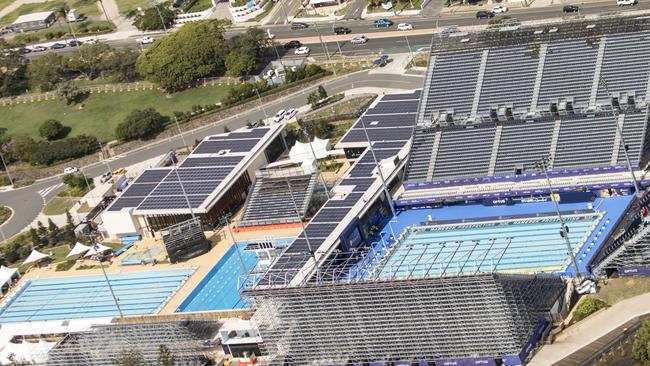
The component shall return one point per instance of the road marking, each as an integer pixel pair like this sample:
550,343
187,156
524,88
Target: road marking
45,191
116,157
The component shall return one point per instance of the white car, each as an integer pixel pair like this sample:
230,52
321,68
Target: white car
145,40
404,26
92,40
359,40
279,116
290,113
304,50
499,9
70,170
39,48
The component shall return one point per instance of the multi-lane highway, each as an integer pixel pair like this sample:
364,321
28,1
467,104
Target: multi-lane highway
27,202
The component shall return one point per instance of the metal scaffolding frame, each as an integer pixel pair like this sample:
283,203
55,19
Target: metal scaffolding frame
103,344
406,319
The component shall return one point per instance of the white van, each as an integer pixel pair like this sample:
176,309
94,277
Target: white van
625,2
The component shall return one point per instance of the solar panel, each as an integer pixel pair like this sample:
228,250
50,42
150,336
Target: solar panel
139,190
198,174
410,106
397,145
225,146
191,162
334,215
349,201
403,96
362,170
315,230
254,133
198,188
378,134
171,202
125,202
383,121
361,184
152,176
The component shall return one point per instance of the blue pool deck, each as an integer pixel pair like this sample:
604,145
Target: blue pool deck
517,245
219,289
138,293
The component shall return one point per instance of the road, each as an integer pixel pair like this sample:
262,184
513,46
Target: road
27,202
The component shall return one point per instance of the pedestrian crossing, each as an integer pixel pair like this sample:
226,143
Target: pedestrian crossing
45,191
116,157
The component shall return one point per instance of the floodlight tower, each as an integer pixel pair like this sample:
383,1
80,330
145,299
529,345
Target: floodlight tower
312,254
381,174
543,165
95,246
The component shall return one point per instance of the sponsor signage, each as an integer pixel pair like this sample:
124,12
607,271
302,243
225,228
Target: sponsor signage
534,338
477,361
511,360
634,271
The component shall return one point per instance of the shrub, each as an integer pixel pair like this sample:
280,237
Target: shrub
587,307
52,130
140,124
64,266
76,180
68,148
70,93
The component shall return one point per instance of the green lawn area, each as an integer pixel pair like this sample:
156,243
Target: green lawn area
85,7
59,205
200,6
398,6
5,214
5,3
126,6
103,111
618,289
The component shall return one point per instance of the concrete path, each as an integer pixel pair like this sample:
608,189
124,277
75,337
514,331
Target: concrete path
16,4
122,24
591,329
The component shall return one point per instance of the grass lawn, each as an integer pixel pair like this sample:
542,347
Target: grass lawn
5,3
5,213
59,205
349,106
200,6
266,11
618,289
103,111
85,7
126,6
399,6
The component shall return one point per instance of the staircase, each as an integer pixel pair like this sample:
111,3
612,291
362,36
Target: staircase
538,78
617,139
555,138
479,82
495,150
599,65
434,154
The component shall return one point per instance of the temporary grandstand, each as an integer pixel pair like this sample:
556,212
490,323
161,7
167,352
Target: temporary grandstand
104,344
271,199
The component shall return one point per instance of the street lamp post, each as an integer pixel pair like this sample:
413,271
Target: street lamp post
178,126
101,264
327,54
225,220
381,174
11,181
261,105
543,165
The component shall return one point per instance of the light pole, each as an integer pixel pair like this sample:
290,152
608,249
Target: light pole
101,3
327,54
620,133
11,181
101,264
302,225
178,126
304,131
381,174
180,183
159,15
266,116
542,165
101,148
225,220
409,45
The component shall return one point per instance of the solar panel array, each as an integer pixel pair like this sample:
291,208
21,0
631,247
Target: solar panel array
271,199
581,141
200,174
477,87
359,179
530,77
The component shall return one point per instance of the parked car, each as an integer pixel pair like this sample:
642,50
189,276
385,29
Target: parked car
70,170
119,171
145,40
303,50
57,46
570,8
383,23
342,30
292,44
290,113
499,9
269,34
626,2
24,51
299,25
279,116
75,43
359,39
106,177
92,40
404,26
39,48
482,14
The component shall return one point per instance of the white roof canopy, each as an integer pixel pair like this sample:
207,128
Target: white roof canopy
35,256
98,248
6,274
78,249
302,151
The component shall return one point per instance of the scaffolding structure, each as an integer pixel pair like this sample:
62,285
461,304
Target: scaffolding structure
185,240
325,323
104,344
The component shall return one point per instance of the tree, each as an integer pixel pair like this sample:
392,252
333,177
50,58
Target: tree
34,237
53,130
165,356
150,19
46,71
641,346
12,70
130,358
140,124
89,59
76,180
19,148
240,63
313,98
322,93
72,147
121,65
196,50
41,229
70,93
587,307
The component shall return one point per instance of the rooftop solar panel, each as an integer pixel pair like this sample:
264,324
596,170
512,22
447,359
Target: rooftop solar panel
378,134
316,230
409,106
198,174
194,188
349,201
152,176
124,202
171,202
211,161
402,96
383,121
139,190
397,145
235,146
254,133
333,215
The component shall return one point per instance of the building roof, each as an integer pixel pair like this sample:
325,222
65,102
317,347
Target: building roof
33,17
206,174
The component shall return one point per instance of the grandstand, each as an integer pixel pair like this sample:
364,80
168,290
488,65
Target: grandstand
104,344
270,201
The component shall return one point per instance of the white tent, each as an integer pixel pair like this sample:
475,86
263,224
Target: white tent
98,248
301,151
7,274
78,249
35,256
26,352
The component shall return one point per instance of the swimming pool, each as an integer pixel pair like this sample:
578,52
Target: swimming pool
89,296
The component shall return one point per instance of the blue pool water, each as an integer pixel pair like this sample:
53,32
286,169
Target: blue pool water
89,296
218,290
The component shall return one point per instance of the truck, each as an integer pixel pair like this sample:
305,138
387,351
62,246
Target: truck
74,16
